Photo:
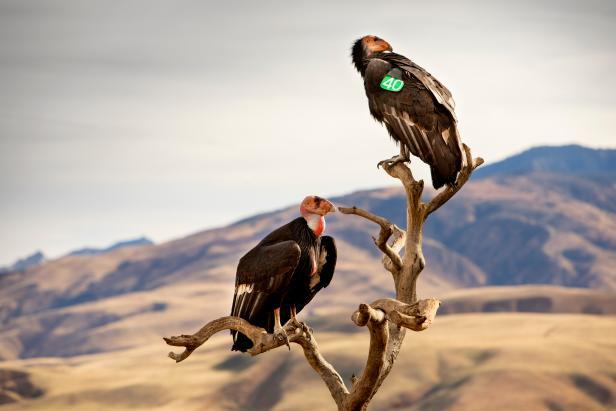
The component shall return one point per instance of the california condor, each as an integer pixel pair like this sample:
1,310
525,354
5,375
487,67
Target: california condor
416,108
281,274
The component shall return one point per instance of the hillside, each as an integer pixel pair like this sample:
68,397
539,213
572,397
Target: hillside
529,299
536,228
463,362
120,244
22,264
572,160
539,247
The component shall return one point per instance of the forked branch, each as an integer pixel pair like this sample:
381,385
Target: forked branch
470,164
262,342
416,317
387,230
387,319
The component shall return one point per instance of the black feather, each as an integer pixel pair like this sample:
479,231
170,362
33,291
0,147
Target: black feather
357,54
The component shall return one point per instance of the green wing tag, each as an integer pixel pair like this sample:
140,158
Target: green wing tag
392,82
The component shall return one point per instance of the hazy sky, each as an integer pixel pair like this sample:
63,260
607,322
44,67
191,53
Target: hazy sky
125,118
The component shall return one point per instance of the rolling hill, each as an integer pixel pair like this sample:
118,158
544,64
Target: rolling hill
543,219
505,361
503,229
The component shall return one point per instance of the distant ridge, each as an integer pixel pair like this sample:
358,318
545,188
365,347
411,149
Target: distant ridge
571,159
31,261
540,230
121,244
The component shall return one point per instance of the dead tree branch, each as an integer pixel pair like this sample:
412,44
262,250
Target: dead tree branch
375,316
387,230
363,386
386,319
418,314
262,341
470,165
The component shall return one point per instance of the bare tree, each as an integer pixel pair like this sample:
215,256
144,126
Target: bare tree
387,319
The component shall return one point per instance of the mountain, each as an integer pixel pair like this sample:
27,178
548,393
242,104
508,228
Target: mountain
39,258
529,299
534,228
487,250
121,244
537,227
572,160
31,261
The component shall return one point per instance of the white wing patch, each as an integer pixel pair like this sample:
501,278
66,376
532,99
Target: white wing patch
241,296
255,305
244,288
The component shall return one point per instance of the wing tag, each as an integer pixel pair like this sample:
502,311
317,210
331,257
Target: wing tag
392,81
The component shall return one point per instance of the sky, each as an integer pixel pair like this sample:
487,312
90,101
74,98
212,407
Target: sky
162,118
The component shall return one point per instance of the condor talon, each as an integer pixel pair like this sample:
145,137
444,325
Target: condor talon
281,335
307,331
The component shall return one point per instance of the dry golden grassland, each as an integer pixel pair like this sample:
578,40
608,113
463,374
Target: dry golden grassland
510,361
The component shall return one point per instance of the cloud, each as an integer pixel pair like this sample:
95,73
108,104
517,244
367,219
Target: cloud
118,119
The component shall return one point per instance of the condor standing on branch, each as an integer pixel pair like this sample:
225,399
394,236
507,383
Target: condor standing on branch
282,273
416,108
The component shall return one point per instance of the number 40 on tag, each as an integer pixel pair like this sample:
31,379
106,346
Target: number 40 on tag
390,83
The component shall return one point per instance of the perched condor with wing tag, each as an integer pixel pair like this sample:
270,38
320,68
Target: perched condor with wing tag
281,274
417,110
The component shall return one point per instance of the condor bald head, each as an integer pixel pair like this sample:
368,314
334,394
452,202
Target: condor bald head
365,47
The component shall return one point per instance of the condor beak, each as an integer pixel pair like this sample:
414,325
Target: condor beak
332,207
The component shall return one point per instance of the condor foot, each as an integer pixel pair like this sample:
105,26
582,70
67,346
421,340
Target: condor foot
281,335
390,162
302,326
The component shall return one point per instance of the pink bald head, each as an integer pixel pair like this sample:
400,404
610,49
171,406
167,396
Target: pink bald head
313,209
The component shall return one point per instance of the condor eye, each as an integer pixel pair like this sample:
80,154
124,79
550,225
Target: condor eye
376,38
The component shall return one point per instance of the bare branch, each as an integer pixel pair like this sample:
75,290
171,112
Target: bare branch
382,221
366,313
398,240
417,317
412,187
469,166
387,229
379,337
403,173
262,342
326,371
387,319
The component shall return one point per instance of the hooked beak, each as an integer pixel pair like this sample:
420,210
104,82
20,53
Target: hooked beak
332,208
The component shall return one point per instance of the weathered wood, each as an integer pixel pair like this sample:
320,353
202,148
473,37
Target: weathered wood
470,165
387,230
386,319
416,315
